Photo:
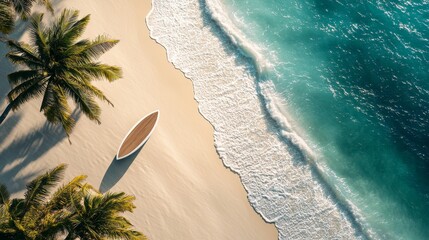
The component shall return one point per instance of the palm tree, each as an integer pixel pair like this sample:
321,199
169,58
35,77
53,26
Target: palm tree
30,217
10,8
98,218
58,66
74,210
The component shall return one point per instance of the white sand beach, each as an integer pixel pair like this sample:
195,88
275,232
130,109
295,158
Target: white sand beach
182,188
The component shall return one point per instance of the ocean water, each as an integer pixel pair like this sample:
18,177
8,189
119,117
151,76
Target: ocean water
354,77
320,106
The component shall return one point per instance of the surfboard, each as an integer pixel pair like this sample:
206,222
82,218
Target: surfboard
138,135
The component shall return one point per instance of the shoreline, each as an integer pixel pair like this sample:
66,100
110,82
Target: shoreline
183,189
270,170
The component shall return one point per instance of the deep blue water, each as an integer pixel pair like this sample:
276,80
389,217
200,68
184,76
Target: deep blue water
355,80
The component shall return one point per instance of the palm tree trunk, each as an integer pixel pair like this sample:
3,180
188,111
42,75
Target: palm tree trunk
5,113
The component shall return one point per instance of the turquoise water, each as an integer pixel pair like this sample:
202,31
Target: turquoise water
355,83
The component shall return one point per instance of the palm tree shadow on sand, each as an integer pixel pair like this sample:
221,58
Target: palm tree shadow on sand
26,149
117,170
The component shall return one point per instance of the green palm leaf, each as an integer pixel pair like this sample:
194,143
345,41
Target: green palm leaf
99,46
24,54
84,100
38,189
74,27
74,210
17,208
26,91
58,111
6,17
39,38
99,71
22,76
61,198
60,67
4,194
98,217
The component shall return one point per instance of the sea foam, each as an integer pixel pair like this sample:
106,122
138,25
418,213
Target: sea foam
280,186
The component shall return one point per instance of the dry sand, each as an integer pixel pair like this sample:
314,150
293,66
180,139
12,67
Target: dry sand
183,190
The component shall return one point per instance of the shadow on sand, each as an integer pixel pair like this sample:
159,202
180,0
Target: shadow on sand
7,67
26,149
29,147
116,171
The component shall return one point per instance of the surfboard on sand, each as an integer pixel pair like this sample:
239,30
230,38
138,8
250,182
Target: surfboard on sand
138,135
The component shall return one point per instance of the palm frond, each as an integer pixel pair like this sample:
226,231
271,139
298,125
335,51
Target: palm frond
6,17
17,208
74,52
99,213
38,189
22,60
100,71
33,84
75,29
96,92
62,24
48,97
4,218
85,102
23,54
39,36
61,198
59,112
99,46
21,76
82,80
4,194
53,224
25,92
120,202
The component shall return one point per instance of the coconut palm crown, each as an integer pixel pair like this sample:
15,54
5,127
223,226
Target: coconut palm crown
74,211
58,66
